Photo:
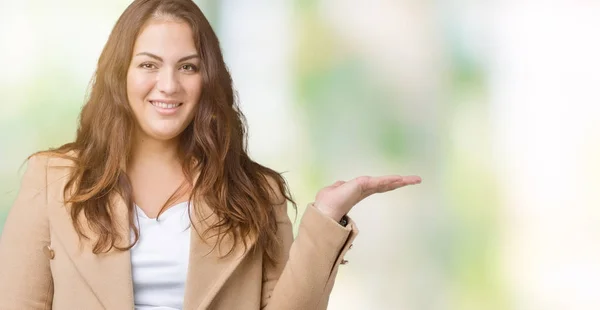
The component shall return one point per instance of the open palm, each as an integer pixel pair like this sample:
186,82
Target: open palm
337,199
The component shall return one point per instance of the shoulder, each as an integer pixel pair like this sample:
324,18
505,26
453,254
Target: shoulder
273,183
277,197
66,160
51,165
51,159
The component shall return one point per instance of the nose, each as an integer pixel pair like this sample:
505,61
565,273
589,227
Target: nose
167,82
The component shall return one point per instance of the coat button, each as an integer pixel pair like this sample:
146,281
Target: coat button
344,262
48,251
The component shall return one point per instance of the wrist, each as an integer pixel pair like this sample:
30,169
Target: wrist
327,211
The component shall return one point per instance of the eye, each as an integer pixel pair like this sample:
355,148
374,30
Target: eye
147,65
189,68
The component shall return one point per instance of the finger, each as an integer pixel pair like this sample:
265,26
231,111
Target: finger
412,179
368,185
404,180
372,185
338,183
407,180
387,186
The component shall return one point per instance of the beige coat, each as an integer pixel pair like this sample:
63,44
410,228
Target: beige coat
43,266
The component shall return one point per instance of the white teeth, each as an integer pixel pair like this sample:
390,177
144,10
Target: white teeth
165,105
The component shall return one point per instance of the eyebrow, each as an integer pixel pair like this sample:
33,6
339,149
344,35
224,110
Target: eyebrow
160,59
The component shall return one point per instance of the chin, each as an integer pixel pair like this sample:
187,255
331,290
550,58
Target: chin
164,135
161,130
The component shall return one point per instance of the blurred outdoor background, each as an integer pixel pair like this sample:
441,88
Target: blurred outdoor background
496,104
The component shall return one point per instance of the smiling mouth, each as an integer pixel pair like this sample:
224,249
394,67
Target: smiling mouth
164,105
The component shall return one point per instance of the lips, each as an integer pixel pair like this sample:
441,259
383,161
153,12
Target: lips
165,105
166,108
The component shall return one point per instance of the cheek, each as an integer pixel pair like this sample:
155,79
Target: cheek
193,90
138,85
192,85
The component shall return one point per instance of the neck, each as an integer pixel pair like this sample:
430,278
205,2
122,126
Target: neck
148,152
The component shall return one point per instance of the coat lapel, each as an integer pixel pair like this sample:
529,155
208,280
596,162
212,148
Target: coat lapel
109,274
209,268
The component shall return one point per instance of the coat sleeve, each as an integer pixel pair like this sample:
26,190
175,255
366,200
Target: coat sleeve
25,278
304,277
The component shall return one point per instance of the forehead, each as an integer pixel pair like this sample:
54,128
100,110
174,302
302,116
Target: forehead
165,37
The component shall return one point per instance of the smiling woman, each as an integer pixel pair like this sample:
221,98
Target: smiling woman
156,204
163,79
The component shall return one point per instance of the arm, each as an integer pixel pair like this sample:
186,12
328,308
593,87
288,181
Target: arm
25,278
304,277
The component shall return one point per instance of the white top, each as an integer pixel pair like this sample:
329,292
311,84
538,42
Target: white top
159,260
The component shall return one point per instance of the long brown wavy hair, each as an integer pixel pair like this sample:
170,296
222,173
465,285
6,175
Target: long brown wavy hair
240,192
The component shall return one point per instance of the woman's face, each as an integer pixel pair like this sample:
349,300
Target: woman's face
163,80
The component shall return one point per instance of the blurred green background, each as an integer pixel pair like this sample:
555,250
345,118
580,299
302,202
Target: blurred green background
493,103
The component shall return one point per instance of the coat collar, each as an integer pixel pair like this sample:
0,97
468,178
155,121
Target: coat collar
209,267
109,275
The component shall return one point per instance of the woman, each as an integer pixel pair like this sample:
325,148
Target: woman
156,204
